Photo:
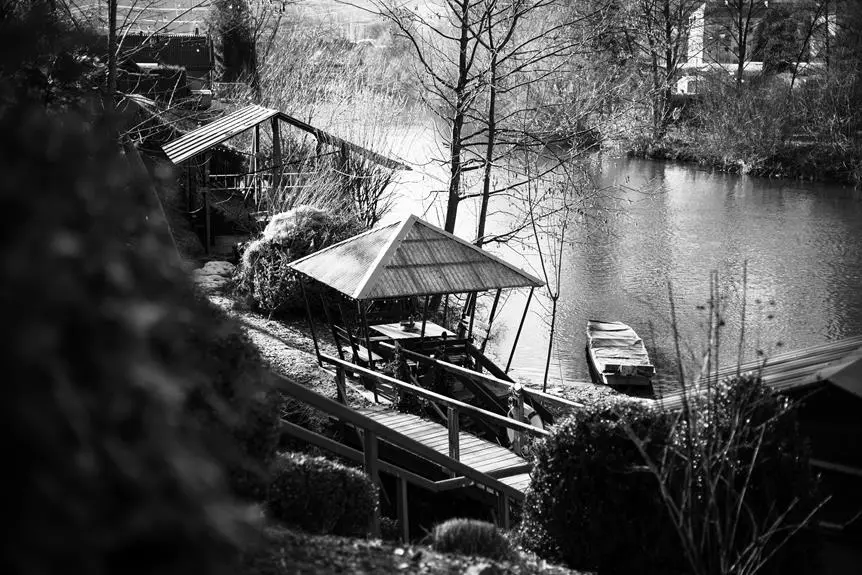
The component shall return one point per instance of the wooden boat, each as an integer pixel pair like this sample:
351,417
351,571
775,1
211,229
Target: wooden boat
617,355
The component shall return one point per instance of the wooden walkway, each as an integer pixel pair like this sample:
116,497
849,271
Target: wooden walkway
479,454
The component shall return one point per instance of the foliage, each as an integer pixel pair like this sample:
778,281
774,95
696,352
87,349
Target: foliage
45,61
113,471
737,481
590,502
263,274
321,496
471,537
728,478
235,53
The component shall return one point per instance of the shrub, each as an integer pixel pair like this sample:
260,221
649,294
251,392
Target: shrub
322,496
737,481
471,537
263,274
590,504
110,473
720,486
233,398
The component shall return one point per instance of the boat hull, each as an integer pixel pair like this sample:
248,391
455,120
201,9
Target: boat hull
617,356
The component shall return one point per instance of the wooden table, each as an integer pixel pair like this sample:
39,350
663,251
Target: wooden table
394,331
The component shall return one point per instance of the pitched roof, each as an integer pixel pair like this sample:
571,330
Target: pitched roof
225,128
409,258
837,362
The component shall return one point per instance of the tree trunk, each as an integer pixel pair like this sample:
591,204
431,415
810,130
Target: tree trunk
550,341
456,146
489,152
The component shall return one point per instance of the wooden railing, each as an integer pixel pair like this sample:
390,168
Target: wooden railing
454,407
534,394
461,474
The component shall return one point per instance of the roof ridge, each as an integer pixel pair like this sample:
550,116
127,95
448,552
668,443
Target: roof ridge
385,255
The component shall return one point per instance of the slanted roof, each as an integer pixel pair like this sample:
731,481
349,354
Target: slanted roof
409,258
217,132
836,362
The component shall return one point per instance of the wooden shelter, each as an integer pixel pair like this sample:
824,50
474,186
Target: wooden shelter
390,283
262,170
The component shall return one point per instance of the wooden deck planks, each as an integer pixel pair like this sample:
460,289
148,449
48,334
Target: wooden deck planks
478,453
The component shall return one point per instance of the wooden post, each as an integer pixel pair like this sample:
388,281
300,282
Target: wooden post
519,415
401,504
255,179
520,327
490,322
504,519
276,154
206,194
331,323
309,318
340,385
472,308
454,443
424,320
363,315
371,469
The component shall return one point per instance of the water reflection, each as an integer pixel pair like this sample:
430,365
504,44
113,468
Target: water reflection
802,243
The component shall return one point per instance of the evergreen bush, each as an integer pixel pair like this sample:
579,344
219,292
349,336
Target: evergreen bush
590,503
319,495
721,485
263,275
471,537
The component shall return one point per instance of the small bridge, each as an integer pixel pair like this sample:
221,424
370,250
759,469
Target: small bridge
457,459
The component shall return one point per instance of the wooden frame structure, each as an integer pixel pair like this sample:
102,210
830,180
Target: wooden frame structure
262,173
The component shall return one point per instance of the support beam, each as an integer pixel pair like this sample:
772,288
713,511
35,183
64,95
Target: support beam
490,321
454,439
309,319
520,327
401,502
206,194
504,518
371,469
276,154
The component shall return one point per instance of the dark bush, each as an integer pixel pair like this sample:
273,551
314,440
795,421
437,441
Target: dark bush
732,463
322,496
109,472
590,504
263,275
471,537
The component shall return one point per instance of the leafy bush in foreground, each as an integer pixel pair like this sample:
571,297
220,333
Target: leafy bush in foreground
471,537
322,496
263,275
590,502
110,473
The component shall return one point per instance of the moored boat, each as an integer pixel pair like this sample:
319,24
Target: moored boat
617,355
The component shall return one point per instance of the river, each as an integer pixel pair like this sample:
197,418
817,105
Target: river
674,224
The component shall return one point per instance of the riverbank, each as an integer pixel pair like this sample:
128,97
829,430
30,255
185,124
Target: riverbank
805,161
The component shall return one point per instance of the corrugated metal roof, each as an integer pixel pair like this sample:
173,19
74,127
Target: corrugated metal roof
410,258
216,132
839,362
225,128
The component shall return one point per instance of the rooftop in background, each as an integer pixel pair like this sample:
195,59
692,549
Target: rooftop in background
409,258
194,53
837,362
217,132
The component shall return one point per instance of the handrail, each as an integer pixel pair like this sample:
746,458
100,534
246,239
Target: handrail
371,426
300,432
432,396
451,367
